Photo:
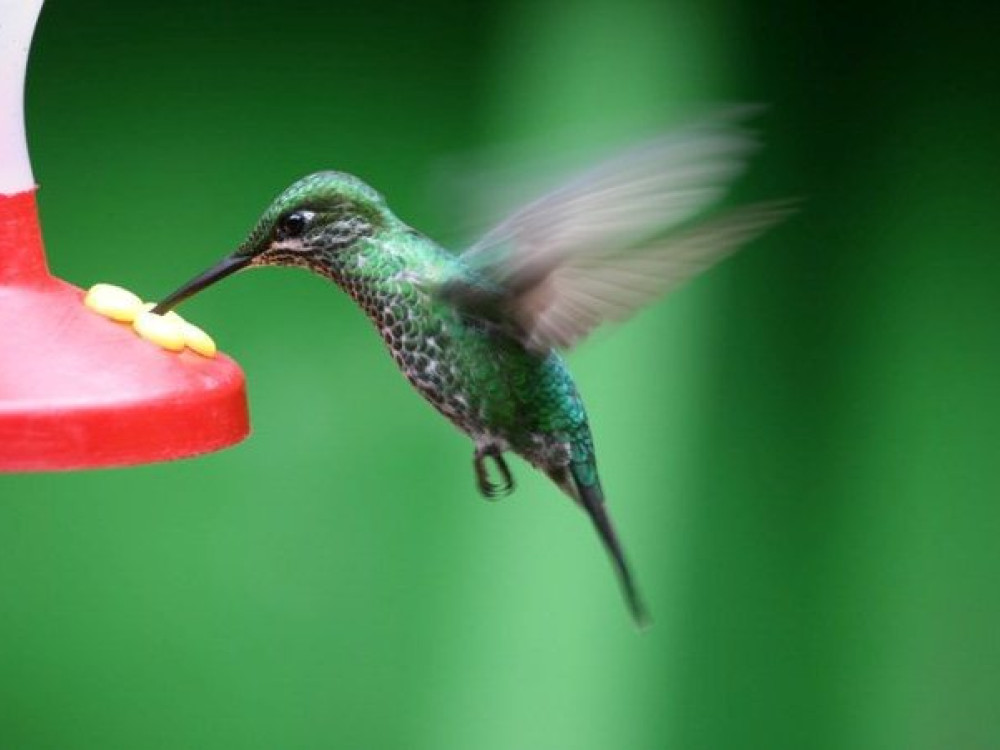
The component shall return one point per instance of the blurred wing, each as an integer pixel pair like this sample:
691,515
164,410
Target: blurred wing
558,267
641,192
577,297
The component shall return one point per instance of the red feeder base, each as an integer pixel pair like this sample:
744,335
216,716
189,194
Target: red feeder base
79,391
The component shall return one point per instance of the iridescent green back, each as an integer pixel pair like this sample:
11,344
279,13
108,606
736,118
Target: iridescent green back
475,374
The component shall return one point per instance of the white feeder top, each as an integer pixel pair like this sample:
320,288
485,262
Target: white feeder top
17,22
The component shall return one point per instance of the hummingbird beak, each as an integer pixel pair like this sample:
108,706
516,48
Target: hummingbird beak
225,267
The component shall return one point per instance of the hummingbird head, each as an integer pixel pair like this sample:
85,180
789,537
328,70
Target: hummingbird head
308,224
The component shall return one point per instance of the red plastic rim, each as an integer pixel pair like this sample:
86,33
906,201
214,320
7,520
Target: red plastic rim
79,391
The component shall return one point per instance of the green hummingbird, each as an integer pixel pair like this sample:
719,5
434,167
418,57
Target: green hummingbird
480,334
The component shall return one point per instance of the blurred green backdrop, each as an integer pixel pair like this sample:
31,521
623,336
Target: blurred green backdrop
801,449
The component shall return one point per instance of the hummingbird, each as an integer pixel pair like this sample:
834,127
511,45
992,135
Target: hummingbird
481,334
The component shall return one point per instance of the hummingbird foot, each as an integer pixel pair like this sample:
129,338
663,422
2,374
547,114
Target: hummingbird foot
487,488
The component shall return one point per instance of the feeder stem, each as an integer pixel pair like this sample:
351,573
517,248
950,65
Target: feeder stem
17,22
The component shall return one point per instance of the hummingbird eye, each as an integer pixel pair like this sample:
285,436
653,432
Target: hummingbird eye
293,224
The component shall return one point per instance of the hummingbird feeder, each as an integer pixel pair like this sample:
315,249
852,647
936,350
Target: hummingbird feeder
77,390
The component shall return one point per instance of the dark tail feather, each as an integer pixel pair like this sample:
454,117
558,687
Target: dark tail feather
592,500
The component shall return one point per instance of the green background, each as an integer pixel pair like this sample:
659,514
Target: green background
801,449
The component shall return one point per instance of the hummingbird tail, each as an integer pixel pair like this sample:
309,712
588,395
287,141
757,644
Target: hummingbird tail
591,498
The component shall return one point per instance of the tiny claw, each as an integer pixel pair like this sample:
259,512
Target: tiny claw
488,489
508,479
